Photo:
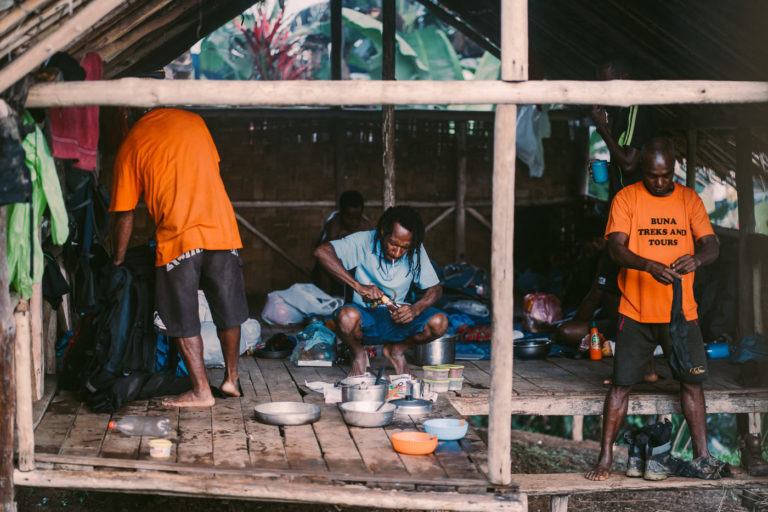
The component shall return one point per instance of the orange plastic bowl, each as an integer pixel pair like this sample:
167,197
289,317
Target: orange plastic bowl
414,443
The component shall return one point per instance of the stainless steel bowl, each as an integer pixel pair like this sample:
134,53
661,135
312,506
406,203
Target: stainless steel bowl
412,406
535,348
440,351
287,413
364,393
367,414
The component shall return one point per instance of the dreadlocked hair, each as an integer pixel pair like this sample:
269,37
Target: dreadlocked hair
410,219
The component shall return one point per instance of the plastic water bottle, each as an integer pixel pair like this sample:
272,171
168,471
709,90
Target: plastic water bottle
153,426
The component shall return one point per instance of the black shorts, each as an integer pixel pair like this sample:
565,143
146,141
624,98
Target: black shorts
635,343
218,273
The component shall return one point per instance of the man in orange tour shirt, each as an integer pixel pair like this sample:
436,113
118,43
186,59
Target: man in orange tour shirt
659,233
170,159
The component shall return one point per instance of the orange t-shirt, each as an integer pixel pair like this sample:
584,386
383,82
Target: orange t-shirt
660,229
169,157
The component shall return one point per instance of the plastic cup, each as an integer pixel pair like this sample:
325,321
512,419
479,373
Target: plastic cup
160,448
599,171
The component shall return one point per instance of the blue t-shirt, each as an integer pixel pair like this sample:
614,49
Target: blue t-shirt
361,252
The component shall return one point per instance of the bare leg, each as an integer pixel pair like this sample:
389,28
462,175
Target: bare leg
351,333
395,352
614,412
230,347
191,350
695,412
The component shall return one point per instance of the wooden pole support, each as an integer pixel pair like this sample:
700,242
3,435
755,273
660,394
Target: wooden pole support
23,362
558,504
440,218
514,40
577,432
264,238
36,345
69,31
388,111
502,271
691,159
50,334
461,191
746,209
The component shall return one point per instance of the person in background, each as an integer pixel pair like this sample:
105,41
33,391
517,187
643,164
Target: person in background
658,233
170,159
387,261
348,219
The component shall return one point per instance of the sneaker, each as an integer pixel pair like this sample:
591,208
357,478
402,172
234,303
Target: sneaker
751,455
637,440
706,468
659,463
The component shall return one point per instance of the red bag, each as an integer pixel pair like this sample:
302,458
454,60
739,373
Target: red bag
541,311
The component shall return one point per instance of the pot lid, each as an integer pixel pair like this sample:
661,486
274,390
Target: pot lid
412,405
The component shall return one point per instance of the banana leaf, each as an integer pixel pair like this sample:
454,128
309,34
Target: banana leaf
435,50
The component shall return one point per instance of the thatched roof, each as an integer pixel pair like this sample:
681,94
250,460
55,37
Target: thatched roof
669,39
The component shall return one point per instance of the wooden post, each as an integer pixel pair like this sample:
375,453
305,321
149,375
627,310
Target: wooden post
388,111
50,334
23,362
514,66
461,191
691,159
746,204
69,31
7,374
757,294
577,432
502,282
36,344
337,47
558,504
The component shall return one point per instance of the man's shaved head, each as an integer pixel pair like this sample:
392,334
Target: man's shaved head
658,165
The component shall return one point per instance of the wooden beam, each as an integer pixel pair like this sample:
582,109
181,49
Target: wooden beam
388,32
264,238
514,40
479,217
268,490
36,340
137,92
69,31
502,285
19,14
558,503
461,191
7,374
440,218
746,209
23,368
691,158
40,26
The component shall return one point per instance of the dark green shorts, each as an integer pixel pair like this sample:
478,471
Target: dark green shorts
635,343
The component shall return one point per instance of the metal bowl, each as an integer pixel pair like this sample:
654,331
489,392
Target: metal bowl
412,406
533,348
287,413
367,414
364,393
439,351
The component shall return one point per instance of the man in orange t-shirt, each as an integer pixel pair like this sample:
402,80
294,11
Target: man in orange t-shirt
170,159
658,233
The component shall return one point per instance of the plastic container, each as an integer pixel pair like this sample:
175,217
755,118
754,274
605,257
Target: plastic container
595,350
160,448
599,171
718,350
447,429
438,385
439,372
454,370
414,443
455,384
153,426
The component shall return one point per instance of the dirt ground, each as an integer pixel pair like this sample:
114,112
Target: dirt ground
532,453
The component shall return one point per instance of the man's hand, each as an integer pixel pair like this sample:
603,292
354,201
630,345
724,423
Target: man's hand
685,264
404,314
600,116
661,273
369,292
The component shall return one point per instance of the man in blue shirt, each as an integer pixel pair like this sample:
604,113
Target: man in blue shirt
386,261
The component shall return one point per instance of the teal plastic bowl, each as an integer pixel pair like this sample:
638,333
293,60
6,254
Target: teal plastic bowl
447,429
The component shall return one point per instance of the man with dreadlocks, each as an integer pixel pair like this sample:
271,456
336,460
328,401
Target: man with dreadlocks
387,261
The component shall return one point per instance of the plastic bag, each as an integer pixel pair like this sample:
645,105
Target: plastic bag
310,300
541,311
316,346
469,307
277,311
250,335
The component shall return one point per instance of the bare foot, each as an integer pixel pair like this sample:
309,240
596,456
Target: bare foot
397,358
359,364
598,473
230,388
190,399
651,377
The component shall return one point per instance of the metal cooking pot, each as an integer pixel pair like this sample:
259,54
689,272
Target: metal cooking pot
412,406
364,392
367,414
440,351
535,348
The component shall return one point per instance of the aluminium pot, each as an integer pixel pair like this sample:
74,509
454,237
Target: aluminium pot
440,351
364,392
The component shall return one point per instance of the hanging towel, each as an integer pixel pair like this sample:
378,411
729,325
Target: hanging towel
680,359
75,130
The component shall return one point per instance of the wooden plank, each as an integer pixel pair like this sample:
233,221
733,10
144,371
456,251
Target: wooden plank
377,452
417,465
56,423
40,406
269,490
230,440
86,435
50,332
36,337
726,401
22,358
155,408
265,445
118,445
195,438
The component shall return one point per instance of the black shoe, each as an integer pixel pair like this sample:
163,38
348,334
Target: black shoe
751,455
659,463
637,440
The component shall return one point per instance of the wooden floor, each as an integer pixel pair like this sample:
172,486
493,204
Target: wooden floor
563,386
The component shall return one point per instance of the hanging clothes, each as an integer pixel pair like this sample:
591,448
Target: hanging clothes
532,127
25,254
75,130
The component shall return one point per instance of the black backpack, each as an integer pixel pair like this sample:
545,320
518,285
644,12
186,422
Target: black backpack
119,339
